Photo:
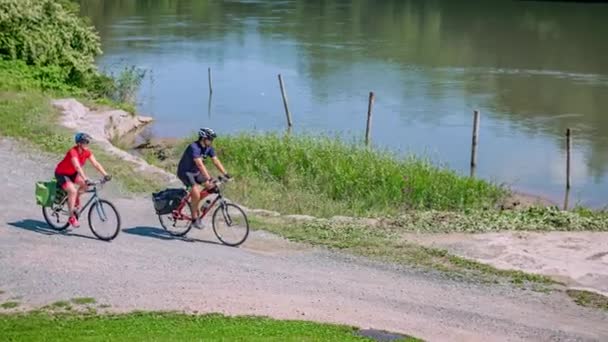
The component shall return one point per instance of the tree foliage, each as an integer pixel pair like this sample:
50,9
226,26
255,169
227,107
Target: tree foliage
48,33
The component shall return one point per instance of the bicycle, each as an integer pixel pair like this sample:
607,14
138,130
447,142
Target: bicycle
229,213
58,211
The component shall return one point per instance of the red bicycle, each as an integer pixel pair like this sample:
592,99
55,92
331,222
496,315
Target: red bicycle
229,221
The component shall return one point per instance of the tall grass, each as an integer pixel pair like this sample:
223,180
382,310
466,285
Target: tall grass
306,174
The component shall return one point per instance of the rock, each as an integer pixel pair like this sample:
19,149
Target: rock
101,125
362,221
342,219
300,217
72,109
262,212
120,123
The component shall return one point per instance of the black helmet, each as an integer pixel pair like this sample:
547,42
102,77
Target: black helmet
206,133
82,138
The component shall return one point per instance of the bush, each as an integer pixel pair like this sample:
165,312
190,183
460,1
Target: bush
45,33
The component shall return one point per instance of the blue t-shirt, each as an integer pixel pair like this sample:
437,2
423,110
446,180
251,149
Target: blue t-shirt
193,151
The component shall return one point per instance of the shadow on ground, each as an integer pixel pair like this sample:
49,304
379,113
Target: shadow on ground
43,228
162,234
384,336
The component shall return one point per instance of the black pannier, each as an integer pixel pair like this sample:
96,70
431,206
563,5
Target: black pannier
167,200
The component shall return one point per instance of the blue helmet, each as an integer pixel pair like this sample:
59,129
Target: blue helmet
82,138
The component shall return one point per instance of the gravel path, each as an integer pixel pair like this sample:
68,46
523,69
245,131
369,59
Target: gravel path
145,269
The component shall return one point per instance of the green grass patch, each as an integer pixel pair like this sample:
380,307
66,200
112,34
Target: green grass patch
385,244
60,304
165,327
83,300
589,299
9,305
324,176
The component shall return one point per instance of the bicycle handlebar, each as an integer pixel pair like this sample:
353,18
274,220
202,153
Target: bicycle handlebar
220,180
97,182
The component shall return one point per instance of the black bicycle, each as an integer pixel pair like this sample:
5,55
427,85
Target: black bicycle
104,220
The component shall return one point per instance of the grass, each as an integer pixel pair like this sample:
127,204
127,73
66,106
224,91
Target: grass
9,305
61,304
83,300
322,177
146,326
478,221
385,244
589,299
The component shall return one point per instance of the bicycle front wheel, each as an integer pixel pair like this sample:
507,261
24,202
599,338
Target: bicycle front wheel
104,220
230,224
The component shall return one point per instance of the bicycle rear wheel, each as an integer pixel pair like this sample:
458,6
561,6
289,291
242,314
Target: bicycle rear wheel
230,224
57,215
173,225
104,220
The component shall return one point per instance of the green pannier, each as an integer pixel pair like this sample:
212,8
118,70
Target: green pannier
46,192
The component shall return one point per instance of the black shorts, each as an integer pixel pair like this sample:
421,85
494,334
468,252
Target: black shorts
63,179
191,178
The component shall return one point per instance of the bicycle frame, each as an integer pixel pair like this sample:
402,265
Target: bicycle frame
178,213
93,199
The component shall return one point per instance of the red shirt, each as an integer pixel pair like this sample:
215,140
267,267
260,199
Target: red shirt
65,167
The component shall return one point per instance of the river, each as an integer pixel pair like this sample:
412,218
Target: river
533,69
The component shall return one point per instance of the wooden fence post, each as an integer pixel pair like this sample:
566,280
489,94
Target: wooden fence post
368,127
474,142
210,82
285,103
568,157
209,105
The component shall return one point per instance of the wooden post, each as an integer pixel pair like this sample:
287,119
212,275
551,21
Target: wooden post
568,157
368,128
285,103
210,82
474,142
209,105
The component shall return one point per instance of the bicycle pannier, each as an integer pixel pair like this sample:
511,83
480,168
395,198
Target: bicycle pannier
167,200
45,193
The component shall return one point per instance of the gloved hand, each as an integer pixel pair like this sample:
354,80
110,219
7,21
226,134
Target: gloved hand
107,178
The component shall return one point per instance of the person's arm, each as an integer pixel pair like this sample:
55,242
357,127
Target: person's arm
98,166
201,167
219,166
217,163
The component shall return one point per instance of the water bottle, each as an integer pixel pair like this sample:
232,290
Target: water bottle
206,205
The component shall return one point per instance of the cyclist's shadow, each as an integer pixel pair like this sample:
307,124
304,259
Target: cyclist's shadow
162,234
43,228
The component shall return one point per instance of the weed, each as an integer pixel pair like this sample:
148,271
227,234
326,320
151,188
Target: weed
9,305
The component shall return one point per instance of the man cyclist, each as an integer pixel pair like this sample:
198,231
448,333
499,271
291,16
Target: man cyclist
69,173
192,171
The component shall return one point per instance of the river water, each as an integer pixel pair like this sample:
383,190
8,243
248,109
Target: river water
533,69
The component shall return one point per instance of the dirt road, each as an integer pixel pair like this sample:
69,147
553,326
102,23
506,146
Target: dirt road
146,269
